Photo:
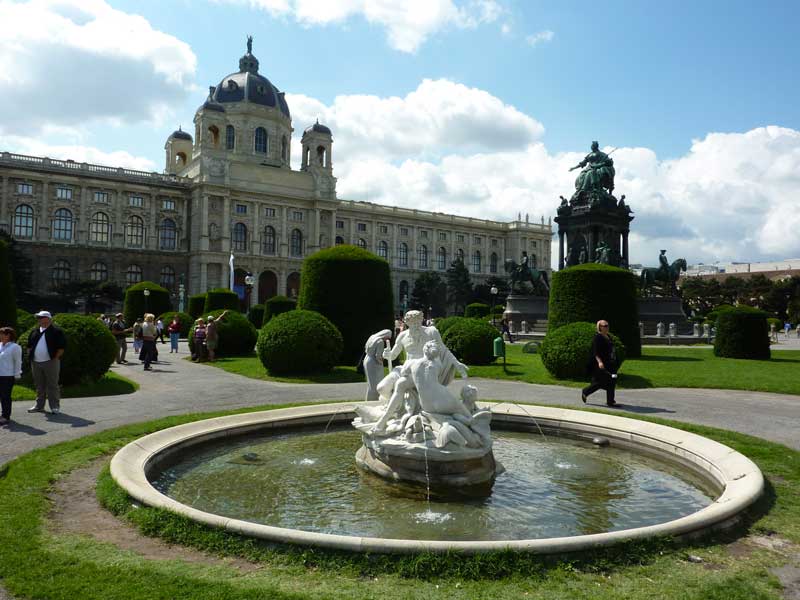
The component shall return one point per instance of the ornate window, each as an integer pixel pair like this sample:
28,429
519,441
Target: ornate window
362,243
101,197
476,261
98,272
493,263
133,275
402,254
339,240
383,250
62,273
62,225
25,189
23,221
168,204
240,237
230,137
261,140
168,235
422,257
136,201
441,258
269,240
361,227
167,277
296,243
64,193
99,228
134,232
460,255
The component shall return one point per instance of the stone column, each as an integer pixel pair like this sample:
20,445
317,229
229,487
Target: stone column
333,229
227,225
6,215
393,249
255,238
44,219
284,237
152,243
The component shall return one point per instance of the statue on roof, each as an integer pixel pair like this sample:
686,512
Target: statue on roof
249,44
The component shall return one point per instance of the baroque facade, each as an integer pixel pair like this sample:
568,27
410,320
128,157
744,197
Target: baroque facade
230,188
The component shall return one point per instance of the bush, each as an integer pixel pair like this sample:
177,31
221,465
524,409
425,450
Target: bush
742,333
185,319
472,341
498,311
714,314
566,352
299,342
590,292
90,348
256,315
531,348
446,323
237,336
25,320
136,306
196,305
352,287
220,299
8,301
477,310
276,306
773,321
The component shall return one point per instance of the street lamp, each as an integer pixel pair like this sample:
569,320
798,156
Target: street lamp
181,296
493,291
146,293
249,281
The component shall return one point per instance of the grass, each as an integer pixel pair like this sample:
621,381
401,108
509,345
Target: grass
110,384
250,366
37,563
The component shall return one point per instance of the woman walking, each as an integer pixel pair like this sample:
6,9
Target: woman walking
10,370
174,330
149,333
603,365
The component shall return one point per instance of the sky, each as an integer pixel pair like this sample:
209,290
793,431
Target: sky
471,107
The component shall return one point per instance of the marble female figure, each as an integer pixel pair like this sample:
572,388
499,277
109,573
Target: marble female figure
373,362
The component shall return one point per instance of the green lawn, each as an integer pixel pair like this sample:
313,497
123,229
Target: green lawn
250,366
36,562
110,384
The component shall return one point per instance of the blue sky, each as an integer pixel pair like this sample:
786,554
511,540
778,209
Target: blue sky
476,107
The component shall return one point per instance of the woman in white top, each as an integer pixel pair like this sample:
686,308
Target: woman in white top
10,370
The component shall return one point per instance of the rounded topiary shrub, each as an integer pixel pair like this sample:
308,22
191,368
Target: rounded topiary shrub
477,310
8,301
185,319
742,333
352,287
498,311
237,336
590,292
256,315
446,323
472,341
136,304
196,305
25,320
90,348
220,298
776,322
299,342
566,352
276,306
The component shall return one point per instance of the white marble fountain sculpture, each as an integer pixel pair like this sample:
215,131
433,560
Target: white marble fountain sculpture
418,430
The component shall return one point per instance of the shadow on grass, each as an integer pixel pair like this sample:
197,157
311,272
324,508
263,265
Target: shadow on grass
659,358
633,382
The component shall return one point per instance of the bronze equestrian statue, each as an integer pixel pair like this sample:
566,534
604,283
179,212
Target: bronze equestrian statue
524,272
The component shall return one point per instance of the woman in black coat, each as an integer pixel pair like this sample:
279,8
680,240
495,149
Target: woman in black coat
603,365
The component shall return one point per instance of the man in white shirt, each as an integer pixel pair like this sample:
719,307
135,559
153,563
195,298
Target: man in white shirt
46,345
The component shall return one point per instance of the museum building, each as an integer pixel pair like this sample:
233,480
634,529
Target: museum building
231,188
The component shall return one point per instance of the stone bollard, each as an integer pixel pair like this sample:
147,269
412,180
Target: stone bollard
660,330
696,330
641,329
706,330
673,330
511,327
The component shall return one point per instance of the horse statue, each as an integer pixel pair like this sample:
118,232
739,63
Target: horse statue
664,276
525,273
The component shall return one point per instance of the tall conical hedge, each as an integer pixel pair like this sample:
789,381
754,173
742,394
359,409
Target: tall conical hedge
8,301
157,302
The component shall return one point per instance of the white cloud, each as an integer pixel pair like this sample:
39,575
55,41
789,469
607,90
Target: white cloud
409,23
540,37
69,63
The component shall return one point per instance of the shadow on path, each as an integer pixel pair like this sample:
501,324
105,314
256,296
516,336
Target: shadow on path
27,429
69,419
643,410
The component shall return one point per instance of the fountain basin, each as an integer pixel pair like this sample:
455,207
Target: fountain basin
736,479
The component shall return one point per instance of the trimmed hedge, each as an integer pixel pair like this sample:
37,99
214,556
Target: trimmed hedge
25,320
299,342
135,305
220,299
498,310
185,319
773,321
446,323
742,333
590,292
90,348
472,341
276,306
477,310
237,336
566,352
352,287
196,305
256,315
8,301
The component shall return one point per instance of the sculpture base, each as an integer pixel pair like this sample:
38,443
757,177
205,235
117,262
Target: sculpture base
653,311
530,309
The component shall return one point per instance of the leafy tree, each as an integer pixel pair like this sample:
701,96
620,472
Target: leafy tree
93,294
8,302
700,295
459,286
429,291
20,265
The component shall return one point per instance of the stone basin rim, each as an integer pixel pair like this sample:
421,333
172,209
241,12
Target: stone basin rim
739,479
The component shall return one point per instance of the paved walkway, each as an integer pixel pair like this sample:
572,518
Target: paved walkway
177,386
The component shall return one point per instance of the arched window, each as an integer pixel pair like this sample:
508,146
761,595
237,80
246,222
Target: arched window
284,148
98,272
362,243
476,261
383,250
23,221
134,232
402,254
269,240
133,275
460,255
214,131
403,293
99,228
422,257
62,273
168,236
339,240
296,243
441,258
261,140
167,277
493,263
230,137
62,225
240,237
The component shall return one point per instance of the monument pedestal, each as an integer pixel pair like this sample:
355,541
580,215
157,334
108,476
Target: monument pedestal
530,309
653,311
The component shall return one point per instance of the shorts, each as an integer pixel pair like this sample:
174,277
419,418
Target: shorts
211,344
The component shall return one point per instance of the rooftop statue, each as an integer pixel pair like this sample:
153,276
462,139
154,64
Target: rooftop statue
597,171
249,44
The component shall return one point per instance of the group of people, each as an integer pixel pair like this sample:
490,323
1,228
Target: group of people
206,338
146,331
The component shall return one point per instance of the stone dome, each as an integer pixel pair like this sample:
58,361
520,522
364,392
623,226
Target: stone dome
319,128
179,134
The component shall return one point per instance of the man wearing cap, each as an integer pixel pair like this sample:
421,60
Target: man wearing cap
46,345
212,336
120,332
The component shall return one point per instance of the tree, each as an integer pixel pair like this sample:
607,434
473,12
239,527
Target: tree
429,291
459,286
8,302
700,295
20,265
93,294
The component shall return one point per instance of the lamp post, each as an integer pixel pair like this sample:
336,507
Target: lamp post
249,281
493,291
146,293
181,296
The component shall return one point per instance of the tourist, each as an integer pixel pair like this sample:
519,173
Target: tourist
212,336
174,330
10,370
603,365
506,330
120,332
199,353
137,337
46,344
160,330
773,333
786,327
398,325
149,333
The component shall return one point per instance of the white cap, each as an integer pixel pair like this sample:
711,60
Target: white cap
43,313
210,318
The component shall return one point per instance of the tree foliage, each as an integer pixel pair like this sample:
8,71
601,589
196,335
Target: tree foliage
459,286
8,300
429,291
